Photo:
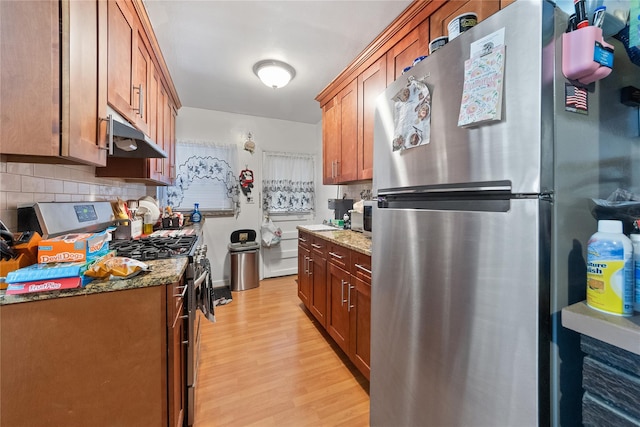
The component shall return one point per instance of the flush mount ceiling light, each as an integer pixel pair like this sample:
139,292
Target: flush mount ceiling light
274,73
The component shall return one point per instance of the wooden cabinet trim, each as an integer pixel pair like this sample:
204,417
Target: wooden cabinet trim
410,18
157,56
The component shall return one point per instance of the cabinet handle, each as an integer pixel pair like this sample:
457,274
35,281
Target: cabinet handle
342,300
185,342
310,271
349,306
302,239
363,269
172,172
186,316
316,246
109,121
140,109
335,255
337,168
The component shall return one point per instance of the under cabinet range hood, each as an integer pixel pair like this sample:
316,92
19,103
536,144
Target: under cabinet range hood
127,141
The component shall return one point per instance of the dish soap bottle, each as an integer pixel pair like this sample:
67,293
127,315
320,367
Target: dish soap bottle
195,215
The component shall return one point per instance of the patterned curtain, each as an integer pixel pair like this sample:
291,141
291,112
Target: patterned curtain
206,174
287,183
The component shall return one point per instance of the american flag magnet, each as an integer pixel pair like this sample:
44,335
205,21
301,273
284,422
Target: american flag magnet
575,99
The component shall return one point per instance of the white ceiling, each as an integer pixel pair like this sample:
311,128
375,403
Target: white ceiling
210,48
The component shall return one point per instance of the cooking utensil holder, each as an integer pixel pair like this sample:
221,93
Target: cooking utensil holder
586,57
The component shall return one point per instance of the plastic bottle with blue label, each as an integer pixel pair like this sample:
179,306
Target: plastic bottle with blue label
610,278
195,215
635,241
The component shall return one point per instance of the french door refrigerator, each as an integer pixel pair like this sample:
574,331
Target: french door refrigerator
479,235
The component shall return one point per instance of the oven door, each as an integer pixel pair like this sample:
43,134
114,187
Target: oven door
193,342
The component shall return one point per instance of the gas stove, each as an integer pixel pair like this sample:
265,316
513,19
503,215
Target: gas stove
155,247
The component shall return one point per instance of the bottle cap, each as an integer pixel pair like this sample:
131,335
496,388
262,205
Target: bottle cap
609,226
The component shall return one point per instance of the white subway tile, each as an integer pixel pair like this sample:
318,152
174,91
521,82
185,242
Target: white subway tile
20,168
70,187
63,197
11,182
54,186
44,170
31,184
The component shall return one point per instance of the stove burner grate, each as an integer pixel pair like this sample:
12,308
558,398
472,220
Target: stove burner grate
150,248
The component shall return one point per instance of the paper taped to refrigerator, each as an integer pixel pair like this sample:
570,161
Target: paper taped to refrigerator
482,90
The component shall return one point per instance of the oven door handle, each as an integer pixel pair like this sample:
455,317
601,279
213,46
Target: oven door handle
200,279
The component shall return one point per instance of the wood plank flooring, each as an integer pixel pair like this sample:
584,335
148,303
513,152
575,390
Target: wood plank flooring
266,362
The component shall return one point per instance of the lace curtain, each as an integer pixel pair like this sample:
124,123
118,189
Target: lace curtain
206,173
287,183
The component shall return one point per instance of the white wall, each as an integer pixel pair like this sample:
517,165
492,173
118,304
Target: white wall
269,135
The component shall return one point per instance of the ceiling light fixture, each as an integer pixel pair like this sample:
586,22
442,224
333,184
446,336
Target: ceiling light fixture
275,74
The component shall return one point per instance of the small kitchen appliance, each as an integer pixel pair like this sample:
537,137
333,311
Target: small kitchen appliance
340,207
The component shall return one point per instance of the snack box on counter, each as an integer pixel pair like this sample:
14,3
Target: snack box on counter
75,247
51,276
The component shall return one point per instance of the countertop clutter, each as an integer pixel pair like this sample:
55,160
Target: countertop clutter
163,272
347,238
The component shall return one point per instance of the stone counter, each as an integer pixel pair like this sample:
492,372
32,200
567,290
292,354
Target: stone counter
163,272
347,238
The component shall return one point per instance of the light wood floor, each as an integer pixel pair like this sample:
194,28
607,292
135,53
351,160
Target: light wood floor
266,362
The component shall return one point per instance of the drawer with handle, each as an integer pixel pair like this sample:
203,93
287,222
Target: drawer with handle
339,256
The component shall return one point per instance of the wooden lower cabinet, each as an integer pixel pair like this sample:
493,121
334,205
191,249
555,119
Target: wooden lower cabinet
90,360
337,291
312,270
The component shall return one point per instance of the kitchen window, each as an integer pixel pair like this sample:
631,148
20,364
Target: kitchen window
206,173
287,184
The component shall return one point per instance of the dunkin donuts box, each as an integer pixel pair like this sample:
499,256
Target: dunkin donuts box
75,247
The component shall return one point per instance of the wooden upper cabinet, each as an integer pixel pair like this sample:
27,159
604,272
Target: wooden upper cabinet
347,167
340,136
403,53
141,85
52,82
449,10
371,84
330,140
123,37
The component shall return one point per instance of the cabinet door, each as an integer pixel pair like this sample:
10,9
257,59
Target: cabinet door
330,140
141,84
318,272
347,164
403,53
304,284
122,50
371,83
338,310
84,81
53,80
177,357
449,10
360,316
360,326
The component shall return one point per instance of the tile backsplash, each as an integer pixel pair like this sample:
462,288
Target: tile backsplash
33,182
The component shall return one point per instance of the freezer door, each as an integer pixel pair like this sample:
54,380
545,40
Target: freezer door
459,317
517,148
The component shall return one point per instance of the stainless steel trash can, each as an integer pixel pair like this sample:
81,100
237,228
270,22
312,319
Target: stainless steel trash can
244,252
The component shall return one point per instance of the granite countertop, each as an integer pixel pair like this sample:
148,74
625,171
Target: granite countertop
163,272
622,332
347,238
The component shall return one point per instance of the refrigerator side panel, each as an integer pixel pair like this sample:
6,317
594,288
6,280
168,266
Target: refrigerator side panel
508,149
459,311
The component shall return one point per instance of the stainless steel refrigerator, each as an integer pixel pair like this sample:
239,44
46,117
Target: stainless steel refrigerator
479,235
